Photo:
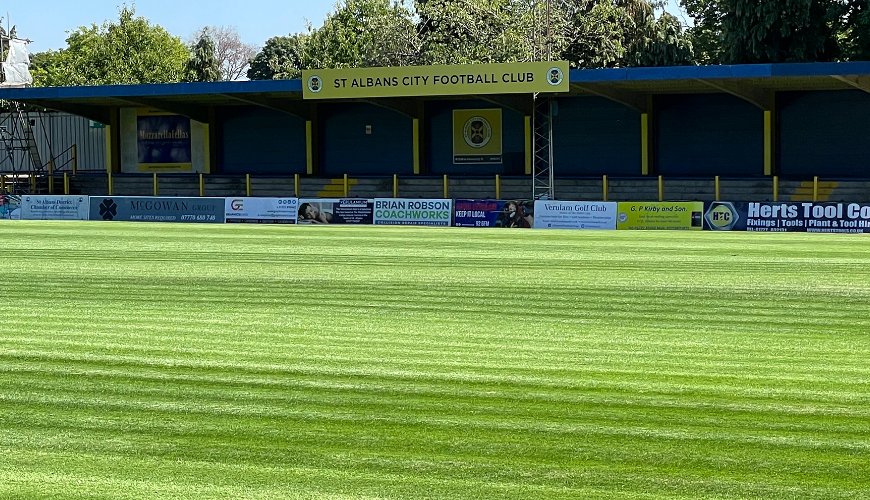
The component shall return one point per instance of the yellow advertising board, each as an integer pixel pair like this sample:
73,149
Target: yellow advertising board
405,81
660,215
477,136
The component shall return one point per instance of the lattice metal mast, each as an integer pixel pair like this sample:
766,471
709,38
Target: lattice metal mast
543,183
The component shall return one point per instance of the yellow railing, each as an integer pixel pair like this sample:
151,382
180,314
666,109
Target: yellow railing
814,190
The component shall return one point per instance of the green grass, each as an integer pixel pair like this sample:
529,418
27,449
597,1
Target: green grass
187,361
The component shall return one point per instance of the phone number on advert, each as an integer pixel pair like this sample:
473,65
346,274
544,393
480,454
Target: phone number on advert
199,218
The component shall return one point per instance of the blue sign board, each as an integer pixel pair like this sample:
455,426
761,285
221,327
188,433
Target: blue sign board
494,213
157,209
788,216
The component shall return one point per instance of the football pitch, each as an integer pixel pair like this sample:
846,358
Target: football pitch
245,361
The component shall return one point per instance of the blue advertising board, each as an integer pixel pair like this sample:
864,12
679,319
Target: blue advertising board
10,206
788,216
494,213
163,142
157,209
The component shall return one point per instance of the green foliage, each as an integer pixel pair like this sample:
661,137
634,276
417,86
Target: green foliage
280,59
359,33
364,33
595,33
618,33
780,30
588,33
706,33
752,31
174,361
660,42
477,31
856,33
48,68
203,65
130,50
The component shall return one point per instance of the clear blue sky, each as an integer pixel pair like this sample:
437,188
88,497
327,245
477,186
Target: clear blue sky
47,22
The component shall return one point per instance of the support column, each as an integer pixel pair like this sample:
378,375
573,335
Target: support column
415,137
644,144
768,142
527,120
309,147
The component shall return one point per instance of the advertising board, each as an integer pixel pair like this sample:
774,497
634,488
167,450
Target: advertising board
54,207
660,215
335,211
575,214
262,210
788,216
157,209
412,212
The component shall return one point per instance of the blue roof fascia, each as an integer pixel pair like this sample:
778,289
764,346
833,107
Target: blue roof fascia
156,89
581,76
577,76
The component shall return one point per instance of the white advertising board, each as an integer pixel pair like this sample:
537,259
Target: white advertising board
262,210
575,214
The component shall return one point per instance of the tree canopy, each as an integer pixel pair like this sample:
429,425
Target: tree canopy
280,59
365,33
587,33
130,50
232,54
203,65
765,31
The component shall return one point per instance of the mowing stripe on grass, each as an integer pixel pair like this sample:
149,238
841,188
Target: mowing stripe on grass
190,361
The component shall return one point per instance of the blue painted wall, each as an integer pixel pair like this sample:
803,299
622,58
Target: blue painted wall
260,141
823,133
438,134
593,136
707,135
345,147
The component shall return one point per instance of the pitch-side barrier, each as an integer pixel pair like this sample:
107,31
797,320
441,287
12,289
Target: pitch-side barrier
486,213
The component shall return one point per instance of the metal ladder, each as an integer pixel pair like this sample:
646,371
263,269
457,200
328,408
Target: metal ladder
29,140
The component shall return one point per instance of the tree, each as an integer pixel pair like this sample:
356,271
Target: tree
364,33
232,54
129,51
706,33
780,30
856,31
485,31
618,33
765,31
359,33
281,58
651,40
47,67
595,34
202,65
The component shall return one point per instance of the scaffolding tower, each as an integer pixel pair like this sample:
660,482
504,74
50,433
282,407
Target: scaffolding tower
543,183
21,165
